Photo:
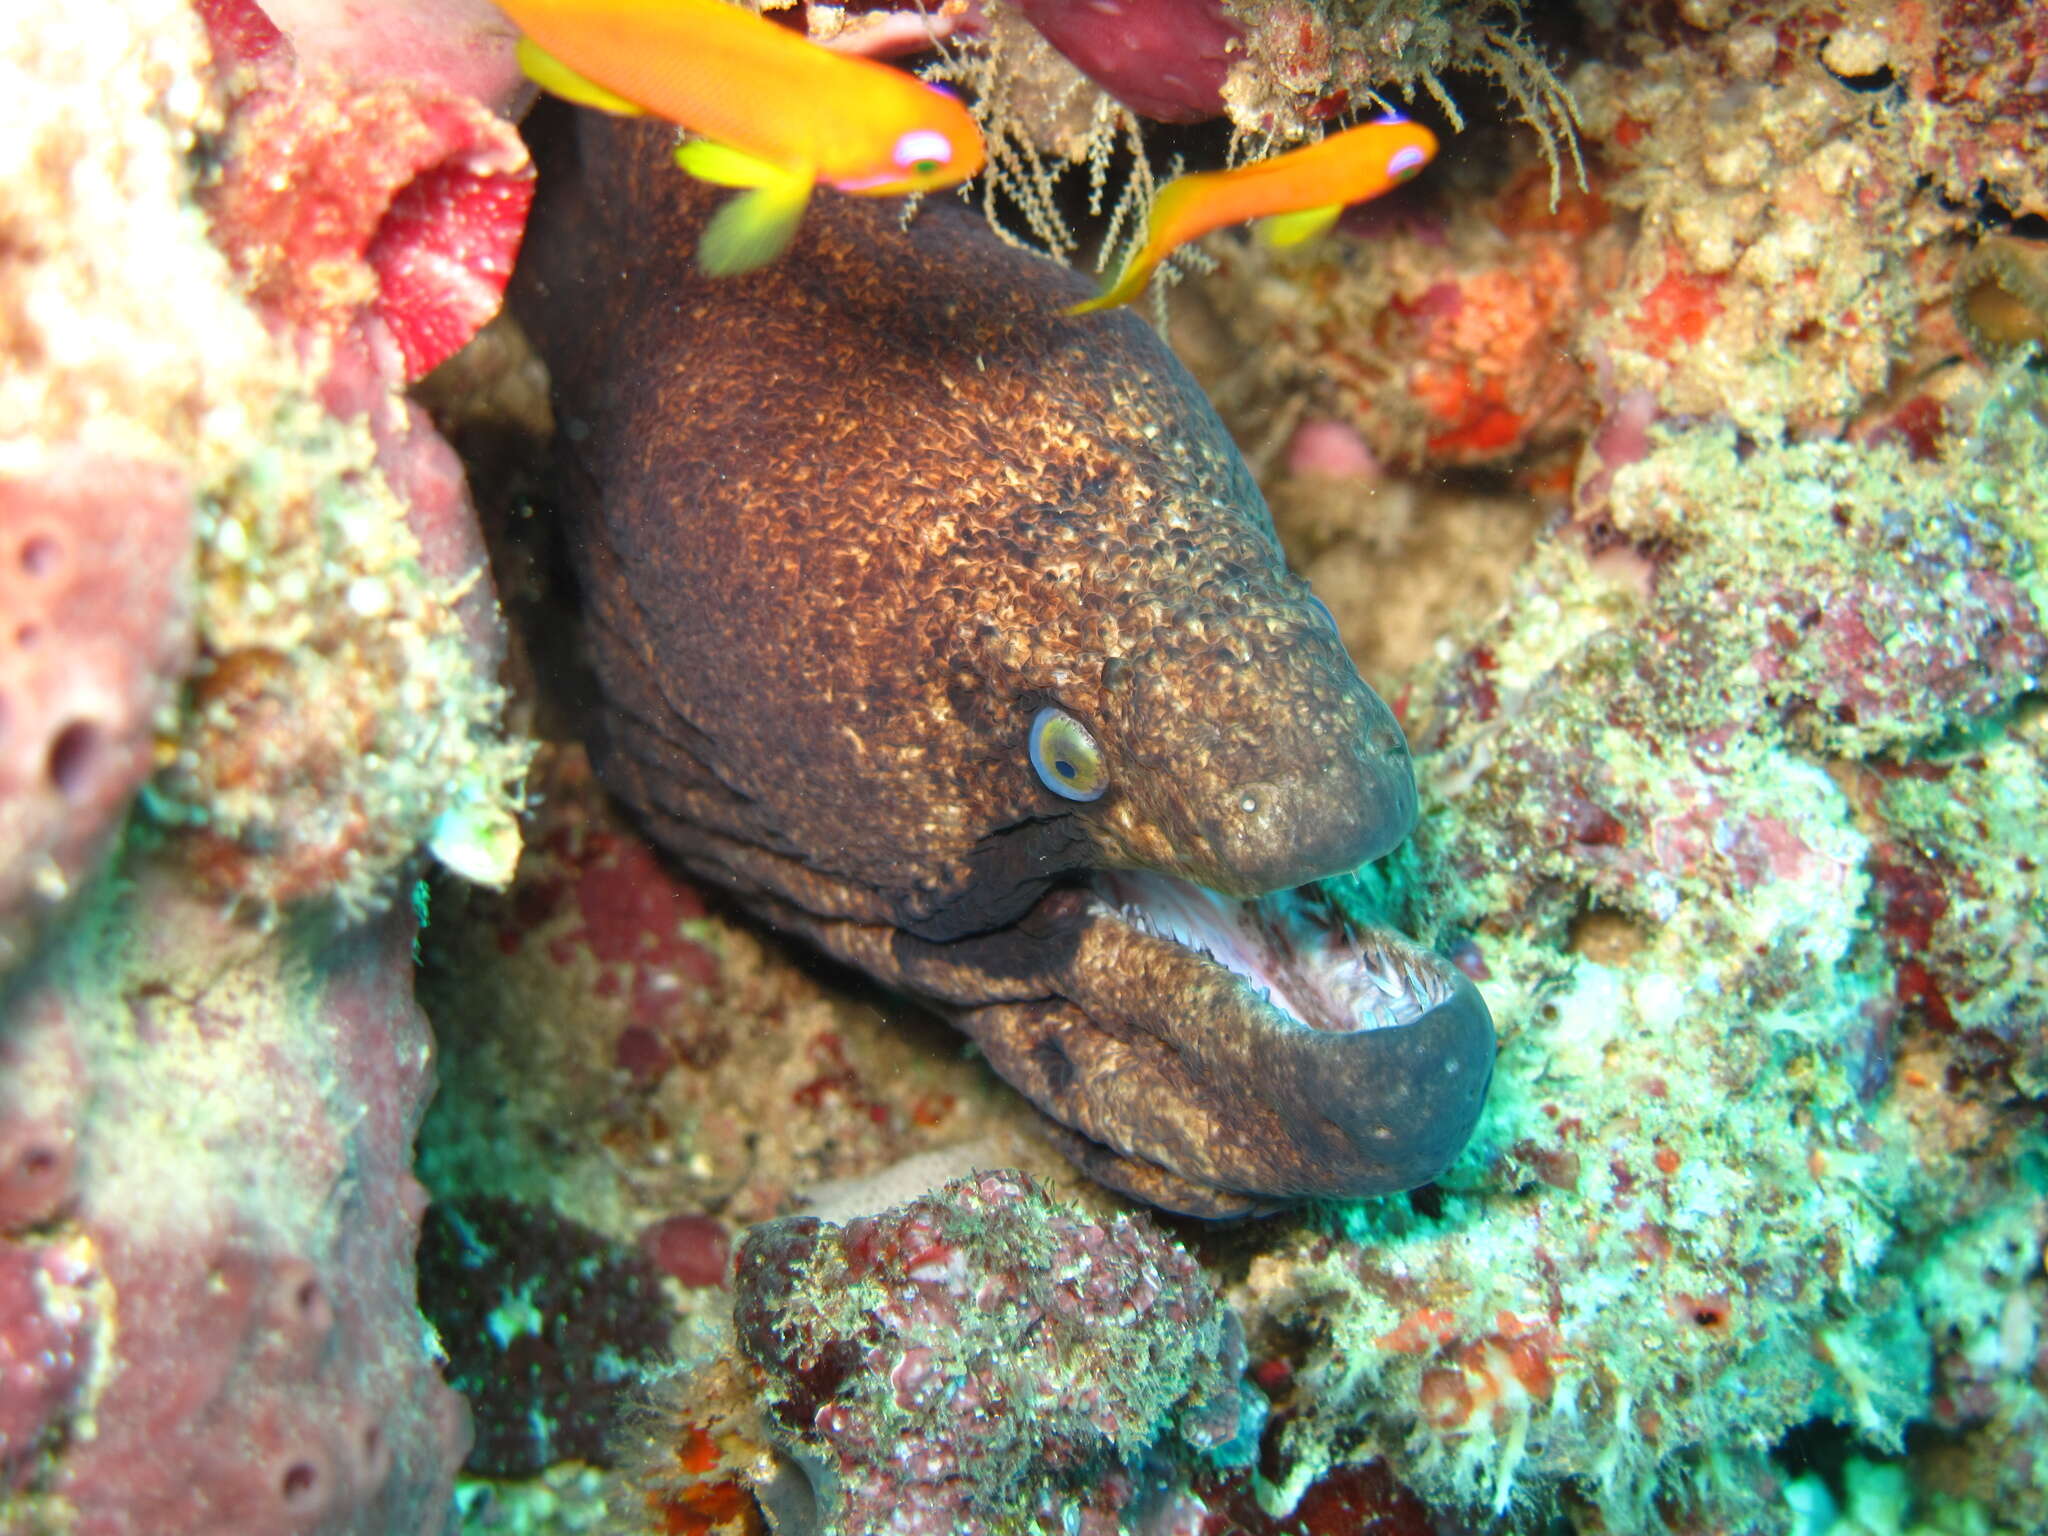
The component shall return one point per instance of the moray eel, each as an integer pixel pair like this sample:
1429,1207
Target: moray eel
953,635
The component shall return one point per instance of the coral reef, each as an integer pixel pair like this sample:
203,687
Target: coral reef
1443,339
1625,758
344,708
981,1357
108,429
1974,78
336,567
548,1329
1693,518
1781,261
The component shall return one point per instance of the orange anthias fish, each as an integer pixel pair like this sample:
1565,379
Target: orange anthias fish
1295,196
772,112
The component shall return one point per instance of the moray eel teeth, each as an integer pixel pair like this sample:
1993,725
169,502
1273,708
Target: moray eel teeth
1292,948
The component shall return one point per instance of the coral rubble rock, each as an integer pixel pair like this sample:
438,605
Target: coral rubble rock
982,1360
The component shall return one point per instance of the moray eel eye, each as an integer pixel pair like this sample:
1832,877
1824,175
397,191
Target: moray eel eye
1065,756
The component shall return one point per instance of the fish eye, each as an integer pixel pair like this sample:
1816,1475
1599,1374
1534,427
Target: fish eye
1065,756
1405,162
922,150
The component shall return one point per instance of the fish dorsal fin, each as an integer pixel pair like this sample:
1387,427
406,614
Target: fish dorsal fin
1303,224
558,79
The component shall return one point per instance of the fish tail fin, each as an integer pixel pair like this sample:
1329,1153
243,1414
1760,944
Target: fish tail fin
558,79
754,228
1164,230
1129,284
1281,230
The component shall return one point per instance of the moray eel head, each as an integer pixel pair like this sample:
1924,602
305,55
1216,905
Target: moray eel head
952,635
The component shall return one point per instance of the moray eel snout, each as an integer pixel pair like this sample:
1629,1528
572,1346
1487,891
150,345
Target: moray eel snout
1246,755
1317,817
953,636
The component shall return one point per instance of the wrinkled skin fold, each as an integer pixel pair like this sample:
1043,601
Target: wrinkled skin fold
844,528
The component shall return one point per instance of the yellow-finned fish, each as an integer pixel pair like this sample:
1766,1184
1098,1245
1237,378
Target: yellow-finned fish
772,112
1295,196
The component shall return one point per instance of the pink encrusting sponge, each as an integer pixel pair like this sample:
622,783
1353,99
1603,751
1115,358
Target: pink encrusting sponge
95,591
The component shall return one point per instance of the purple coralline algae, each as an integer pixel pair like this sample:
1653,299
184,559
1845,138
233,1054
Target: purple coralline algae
984,1360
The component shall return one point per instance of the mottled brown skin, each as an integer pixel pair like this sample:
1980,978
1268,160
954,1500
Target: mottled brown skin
843,527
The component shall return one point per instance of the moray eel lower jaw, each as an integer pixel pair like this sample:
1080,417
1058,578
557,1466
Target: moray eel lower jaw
1373,1053
1299,1056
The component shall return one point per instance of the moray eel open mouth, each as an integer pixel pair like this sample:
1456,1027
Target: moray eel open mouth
1301,1055
1296,950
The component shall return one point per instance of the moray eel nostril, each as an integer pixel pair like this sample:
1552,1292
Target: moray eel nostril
953,635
